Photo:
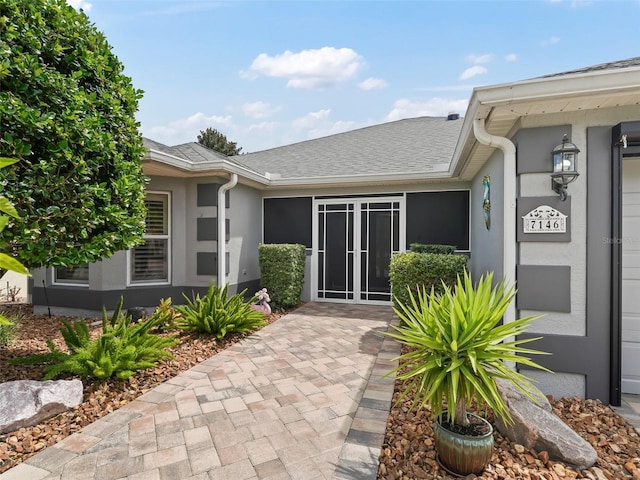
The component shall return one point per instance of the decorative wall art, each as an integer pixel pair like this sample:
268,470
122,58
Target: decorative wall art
486,200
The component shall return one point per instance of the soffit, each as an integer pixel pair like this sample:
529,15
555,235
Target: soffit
503,107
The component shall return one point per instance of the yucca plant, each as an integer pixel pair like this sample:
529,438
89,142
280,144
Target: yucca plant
459,347
218,314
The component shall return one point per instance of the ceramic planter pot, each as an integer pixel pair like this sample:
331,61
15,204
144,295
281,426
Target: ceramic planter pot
463,454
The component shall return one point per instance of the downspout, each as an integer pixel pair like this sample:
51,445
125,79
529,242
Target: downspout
508,204
222,229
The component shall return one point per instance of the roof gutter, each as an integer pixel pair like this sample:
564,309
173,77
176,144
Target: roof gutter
564,86
509,204
222,228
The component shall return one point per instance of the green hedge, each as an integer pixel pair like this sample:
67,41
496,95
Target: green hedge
425,248
282,271
417,270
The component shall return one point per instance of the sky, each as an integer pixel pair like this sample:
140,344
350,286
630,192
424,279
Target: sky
269,73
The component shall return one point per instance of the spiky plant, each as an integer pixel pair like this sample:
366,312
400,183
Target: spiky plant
219,314
121,350
459,346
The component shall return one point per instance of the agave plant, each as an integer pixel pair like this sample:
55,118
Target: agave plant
218,314
460,346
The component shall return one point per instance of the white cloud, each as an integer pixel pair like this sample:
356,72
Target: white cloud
512,57
80,4
311,119
434,107
324,67
550,41
372,83
475,59
187,129
265,127
472,72
259,109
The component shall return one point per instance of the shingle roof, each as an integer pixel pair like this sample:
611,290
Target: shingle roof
415,144
192,151
629,62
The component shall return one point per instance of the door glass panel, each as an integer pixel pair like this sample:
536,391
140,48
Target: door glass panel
336,254
379,251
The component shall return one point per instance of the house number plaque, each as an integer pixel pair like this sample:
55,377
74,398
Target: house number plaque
545,219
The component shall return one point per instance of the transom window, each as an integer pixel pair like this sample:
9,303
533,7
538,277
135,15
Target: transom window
149,262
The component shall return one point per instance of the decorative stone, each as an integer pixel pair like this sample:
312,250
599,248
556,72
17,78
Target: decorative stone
28,402
536,427
136,313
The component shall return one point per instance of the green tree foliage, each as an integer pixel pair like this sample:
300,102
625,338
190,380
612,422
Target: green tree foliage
215,140
6,261
67,110
218,314
121,350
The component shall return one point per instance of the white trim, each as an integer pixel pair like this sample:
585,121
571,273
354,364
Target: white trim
168,236
222,229
357,242
508,205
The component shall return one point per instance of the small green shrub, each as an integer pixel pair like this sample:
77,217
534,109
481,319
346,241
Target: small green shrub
282,272
8,331
167,317
417,271
121,350
218,314
427,248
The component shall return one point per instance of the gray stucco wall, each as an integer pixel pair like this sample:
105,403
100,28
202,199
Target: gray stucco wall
580,338
245,215
108,278
486,244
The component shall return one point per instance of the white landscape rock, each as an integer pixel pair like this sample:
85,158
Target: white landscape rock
537,427
29,402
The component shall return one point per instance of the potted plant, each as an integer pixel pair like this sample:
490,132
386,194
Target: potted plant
458,348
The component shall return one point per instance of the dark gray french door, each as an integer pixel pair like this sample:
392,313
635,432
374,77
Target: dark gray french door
354,241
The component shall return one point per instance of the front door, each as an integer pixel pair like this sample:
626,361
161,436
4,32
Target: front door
631,275
355,239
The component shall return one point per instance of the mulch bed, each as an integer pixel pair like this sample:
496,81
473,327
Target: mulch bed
408,452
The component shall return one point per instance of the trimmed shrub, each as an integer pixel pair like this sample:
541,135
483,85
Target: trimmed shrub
218,314
121,350
426,248
282,271
415,271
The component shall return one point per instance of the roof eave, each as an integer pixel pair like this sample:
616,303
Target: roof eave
212,167
485,99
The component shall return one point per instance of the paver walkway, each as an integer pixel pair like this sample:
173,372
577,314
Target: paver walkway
303,398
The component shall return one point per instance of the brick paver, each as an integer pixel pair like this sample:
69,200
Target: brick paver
303,398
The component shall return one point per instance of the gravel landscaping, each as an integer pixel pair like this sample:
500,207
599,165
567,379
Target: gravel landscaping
407,451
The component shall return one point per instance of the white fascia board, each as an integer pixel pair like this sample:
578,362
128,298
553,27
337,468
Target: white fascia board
212,166
548,88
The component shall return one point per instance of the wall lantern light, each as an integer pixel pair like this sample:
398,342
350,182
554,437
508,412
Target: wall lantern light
565,159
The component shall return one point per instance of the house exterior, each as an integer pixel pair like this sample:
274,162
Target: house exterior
355,198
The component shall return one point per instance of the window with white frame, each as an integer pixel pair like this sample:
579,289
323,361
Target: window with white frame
149,262
71,275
